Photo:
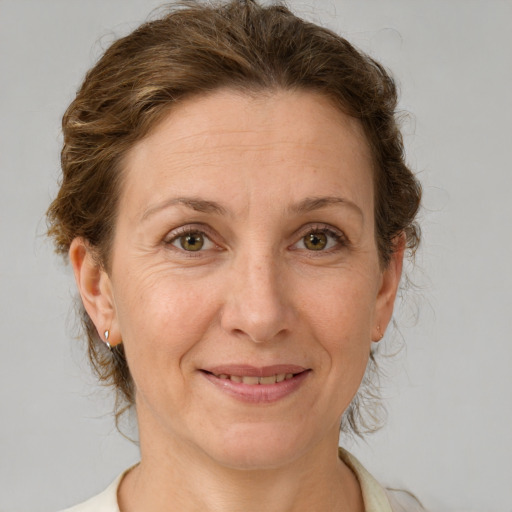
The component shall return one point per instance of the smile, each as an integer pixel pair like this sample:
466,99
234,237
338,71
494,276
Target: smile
257,384
253,380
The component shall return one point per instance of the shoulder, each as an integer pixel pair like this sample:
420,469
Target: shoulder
106,501
376,498
404,501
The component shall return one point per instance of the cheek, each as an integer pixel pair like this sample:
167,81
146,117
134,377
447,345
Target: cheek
342,306
161,320
341,320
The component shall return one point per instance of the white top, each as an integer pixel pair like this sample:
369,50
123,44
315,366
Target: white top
375,498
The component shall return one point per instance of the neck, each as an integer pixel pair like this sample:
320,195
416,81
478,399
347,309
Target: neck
180,478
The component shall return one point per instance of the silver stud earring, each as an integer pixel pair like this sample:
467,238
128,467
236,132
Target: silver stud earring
107,334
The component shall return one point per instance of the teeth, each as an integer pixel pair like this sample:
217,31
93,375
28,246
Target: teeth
252,381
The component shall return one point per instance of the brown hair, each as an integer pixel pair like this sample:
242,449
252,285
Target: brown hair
194,49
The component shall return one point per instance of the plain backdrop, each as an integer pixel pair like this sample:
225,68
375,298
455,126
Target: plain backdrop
448,437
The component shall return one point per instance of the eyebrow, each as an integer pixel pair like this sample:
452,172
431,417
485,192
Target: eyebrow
307,205
199,205
310,204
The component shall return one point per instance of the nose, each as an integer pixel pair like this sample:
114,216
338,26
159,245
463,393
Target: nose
257,305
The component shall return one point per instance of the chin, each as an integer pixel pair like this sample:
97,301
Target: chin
257,447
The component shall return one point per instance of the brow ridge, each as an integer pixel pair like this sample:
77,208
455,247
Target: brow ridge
306,205
194,203
310,204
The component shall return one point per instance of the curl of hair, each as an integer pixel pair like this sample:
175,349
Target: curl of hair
194,49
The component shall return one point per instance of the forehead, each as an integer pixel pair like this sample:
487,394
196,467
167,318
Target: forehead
290,140
290,116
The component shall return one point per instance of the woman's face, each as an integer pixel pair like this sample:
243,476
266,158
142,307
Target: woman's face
245,252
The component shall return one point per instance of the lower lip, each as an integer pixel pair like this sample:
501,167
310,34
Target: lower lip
258,393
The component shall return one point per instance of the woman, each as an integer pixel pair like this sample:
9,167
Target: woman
236,208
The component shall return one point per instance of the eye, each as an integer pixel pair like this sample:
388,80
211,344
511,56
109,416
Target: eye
316,241
191,241
321,239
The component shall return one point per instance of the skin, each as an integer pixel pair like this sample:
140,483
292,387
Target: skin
255,294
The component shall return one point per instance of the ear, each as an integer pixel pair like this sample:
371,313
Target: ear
390,279
95,289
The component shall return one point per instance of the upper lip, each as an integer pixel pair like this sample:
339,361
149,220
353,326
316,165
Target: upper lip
255,371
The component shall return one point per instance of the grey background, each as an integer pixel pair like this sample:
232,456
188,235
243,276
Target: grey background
448,437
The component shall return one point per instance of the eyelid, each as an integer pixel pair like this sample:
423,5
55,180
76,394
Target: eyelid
176,233
340,237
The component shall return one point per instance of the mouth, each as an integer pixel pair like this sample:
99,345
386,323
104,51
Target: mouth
252,380
257,384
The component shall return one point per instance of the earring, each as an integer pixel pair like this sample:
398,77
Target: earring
379,332
107,334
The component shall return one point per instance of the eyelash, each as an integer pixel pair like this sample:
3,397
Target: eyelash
189,230
339,238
